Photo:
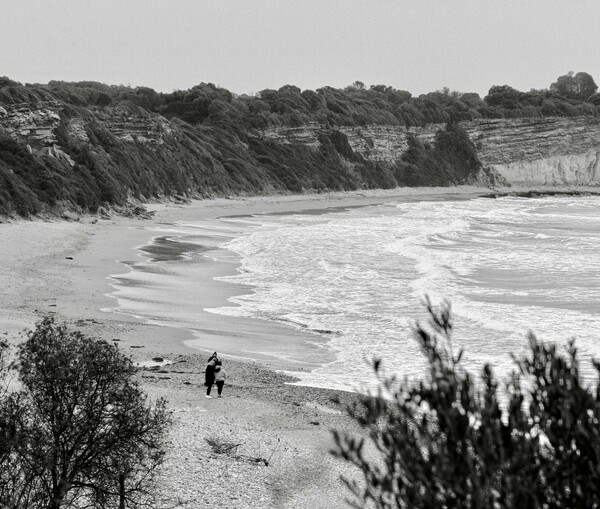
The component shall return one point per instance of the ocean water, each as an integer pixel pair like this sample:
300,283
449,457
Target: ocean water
358,277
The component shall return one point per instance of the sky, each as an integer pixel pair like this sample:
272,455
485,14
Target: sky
250,45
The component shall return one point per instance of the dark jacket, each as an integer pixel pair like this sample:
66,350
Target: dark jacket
209,374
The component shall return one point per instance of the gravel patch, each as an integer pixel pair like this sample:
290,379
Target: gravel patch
282,433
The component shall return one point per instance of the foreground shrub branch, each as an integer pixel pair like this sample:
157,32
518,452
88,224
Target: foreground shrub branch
447,442
80,431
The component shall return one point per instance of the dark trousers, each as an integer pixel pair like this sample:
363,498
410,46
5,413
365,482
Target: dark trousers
209,384
220,384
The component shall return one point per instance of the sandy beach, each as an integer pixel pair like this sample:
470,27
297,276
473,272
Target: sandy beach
64,268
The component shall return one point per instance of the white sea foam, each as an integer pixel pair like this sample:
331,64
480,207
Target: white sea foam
507,266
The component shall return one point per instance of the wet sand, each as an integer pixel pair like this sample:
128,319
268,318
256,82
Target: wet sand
63,268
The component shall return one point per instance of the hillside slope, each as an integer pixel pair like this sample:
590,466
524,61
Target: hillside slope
81,146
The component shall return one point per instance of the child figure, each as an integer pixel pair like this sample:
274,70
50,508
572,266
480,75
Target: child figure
220,376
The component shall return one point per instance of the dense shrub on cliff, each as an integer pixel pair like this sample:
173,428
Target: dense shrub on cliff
354,105
214,158
79,431
561,100
108,170
25,183
448,441
208,161
357,105
451,160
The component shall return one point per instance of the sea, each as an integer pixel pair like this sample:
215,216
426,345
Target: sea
357,279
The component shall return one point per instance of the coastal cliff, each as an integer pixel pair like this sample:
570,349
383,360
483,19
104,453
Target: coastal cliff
82,146
56,157
546,151
540,151
36,123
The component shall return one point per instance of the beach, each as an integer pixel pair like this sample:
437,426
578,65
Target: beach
64,267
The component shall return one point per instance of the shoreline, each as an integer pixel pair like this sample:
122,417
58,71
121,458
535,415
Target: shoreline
63,268
311,346
247,338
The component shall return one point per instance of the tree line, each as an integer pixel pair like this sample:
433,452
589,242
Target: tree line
356,105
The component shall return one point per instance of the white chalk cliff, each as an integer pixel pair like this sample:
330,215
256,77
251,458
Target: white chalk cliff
540,151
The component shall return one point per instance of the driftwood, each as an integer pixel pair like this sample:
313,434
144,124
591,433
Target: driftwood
230,449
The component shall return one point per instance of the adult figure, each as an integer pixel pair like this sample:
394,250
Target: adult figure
209,373
220,376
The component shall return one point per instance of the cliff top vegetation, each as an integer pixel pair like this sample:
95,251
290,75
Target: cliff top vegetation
112,142
356,105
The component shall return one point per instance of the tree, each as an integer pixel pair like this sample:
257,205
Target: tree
585,85
82,430
471,99
580,85
9,477
357,85
503,96
7,82
449,442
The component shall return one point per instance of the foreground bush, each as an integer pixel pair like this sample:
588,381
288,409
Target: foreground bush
448,442
79,432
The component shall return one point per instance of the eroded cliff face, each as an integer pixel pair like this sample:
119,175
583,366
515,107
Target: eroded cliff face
523,151
36,123
33,122
540,151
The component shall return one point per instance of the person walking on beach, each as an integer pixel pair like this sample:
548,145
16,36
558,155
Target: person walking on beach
209,373
220,376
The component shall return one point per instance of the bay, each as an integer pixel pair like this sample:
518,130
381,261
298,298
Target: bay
356,279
